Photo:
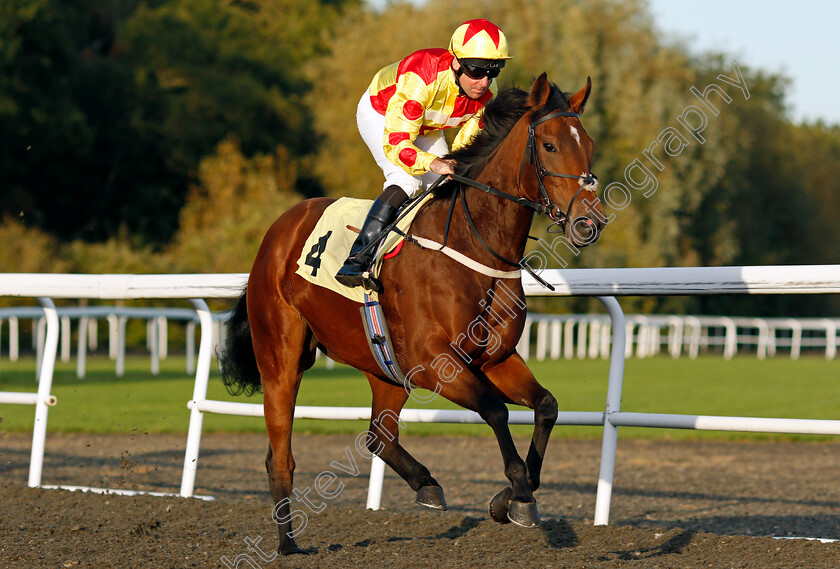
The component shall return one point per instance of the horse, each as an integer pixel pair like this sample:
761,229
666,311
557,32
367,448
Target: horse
454,325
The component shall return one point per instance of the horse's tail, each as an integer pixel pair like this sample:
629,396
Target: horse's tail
240,373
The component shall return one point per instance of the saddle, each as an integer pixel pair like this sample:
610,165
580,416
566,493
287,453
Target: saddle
328,245
323,255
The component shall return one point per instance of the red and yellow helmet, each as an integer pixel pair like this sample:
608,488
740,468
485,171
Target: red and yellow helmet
479,39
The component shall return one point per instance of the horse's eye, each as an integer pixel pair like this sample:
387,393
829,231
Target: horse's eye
549,147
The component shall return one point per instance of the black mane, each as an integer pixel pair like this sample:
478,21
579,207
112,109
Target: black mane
500,114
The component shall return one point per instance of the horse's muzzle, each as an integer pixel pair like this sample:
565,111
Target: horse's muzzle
584,231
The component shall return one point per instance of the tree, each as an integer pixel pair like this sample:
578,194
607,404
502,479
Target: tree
109,105
230,208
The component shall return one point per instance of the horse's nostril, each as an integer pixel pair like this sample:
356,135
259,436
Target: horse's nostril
584,230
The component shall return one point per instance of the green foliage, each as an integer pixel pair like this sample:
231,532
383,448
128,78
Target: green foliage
108,106
364,43
28,250
228,211
817,174
121,254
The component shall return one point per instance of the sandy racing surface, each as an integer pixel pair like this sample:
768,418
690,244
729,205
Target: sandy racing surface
675,504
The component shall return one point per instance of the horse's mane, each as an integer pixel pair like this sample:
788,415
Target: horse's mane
501,113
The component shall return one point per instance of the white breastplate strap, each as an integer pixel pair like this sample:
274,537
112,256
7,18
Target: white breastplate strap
464,260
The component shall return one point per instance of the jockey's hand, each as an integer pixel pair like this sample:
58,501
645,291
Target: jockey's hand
442,167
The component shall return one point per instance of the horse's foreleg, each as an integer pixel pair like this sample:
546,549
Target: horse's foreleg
384,440
513,378
472,392
517,503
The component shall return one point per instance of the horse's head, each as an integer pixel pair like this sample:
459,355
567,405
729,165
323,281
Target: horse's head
560,155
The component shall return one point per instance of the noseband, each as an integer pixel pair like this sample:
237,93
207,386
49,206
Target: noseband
531,155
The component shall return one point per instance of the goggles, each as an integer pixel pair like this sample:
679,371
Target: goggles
476,72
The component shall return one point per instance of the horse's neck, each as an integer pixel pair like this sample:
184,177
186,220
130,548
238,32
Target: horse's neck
501,223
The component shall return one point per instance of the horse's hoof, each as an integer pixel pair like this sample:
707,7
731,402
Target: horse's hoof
293,549
431,497
524,514
499,506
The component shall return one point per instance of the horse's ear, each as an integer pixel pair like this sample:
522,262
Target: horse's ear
578,100
540,91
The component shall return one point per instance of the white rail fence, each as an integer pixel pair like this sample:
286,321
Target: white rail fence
604,284
570,336
87,319
546,336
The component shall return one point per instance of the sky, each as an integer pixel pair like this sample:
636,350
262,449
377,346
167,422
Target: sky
799,39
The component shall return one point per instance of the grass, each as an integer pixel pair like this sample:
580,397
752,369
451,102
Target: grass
140,402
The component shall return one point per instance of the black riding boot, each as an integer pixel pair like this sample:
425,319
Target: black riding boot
355,270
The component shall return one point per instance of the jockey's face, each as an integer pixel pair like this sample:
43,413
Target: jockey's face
474,88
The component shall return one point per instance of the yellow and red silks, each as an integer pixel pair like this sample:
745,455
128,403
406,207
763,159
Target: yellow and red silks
419,95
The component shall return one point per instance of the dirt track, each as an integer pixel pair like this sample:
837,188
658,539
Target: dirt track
675,504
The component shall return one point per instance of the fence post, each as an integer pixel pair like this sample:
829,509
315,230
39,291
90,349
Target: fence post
81,349
610,440
202,375
377,480
45,378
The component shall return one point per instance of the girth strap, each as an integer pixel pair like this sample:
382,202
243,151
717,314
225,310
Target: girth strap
380,344
463,259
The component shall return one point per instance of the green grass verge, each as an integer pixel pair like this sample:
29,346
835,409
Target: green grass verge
140,402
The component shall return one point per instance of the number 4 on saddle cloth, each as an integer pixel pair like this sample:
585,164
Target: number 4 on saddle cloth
323,254
328,245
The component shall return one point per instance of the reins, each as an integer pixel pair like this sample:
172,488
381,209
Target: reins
527,203
543,206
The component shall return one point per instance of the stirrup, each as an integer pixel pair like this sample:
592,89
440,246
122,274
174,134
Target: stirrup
363,278
371,283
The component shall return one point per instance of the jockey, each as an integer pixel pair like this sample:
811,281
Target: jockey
402,115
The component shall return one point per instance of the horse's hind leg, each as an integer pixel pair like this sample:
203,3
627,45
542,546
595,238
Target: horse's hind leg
384,440
284,350
516,382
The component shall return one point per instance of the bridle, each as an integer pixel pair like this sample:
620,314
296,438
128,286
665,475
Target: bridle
585,180
544,205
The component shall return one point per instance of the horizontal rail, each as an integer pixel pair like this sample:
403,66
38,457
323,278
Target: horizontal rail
665,281
114,287
24,398
717,423
659,281
592,418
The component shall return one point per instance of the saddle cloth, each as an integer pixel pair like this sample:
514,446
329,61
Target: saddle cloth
328,245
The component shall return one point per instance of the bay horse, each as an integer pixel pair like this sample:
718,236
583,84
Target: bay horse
533,145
